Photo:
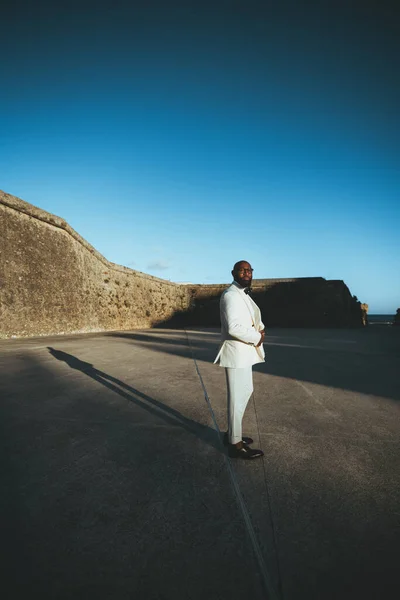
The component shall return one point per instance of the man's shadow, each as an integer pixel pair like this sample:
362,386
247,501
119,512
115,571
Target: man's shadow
155,407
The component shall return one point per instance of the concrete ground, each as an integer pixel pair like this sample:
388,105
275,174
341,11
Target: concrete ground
115,483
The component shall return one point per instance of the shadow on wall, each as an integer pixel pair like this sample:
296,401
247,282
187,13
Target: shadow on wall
305,302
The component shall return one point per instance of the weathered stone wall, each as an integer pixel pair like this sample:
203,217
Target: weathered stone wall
52,281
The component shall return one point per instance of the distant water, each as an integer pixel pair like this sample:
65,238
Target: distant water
380,319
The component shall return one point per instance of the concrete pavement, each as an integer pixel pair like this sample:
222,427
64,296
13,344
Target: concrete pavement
116,484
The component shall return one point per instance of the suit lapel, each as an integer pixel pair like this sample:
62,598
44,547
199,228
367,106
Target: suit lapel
247,306
257,314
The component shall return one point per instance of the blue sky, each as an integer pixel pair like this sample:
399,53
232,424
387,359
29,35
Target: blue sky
180,137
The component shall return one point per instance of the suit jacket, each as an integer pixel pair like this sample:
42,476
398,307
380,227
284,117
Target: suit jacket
240,327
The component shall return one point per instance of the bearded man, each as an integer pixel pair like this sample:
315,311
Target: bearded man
242,335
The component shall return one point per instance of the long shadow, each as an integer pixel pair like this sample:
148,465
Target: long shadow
85,496
155,407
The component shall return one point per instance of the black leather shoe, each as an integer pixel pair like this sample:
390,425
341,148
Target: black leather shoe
244,452
245,440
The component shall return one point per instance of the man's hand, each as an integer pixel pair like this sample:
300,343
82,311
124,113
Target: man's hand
262,338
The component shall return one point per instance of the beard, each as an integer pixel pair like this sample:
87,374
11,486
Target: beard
245,282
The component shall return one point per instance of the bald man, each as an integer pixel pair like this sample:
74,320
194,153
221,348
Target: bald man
242,334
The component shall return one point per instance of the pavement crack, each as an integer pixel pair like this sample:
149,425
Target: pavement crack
271,594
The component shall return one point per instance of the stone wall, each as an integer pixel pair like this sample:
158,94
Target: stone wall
52,281
299,302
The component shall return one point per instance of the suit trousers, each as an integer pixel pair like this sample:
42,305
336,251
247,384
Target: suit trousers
239,384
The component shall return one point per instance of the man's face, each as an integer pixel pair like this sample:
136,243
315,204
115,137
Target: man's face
243,274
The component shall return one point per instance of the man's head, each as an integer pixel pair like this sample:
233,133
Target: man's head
242,273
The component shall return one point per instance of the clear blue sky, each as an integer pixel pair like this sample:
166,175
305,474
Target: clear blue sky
179,137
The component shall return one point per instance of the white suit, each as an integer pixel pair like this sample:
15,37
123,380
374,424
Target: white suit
240,332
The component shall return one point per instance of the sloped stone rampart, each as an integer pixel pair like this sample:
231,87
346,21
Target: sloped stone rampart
52,281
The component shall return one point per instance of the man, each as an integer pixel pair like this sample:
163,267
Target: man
242,333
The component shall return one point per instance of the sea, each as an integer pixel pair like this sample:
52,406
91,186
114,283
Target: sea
380,319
